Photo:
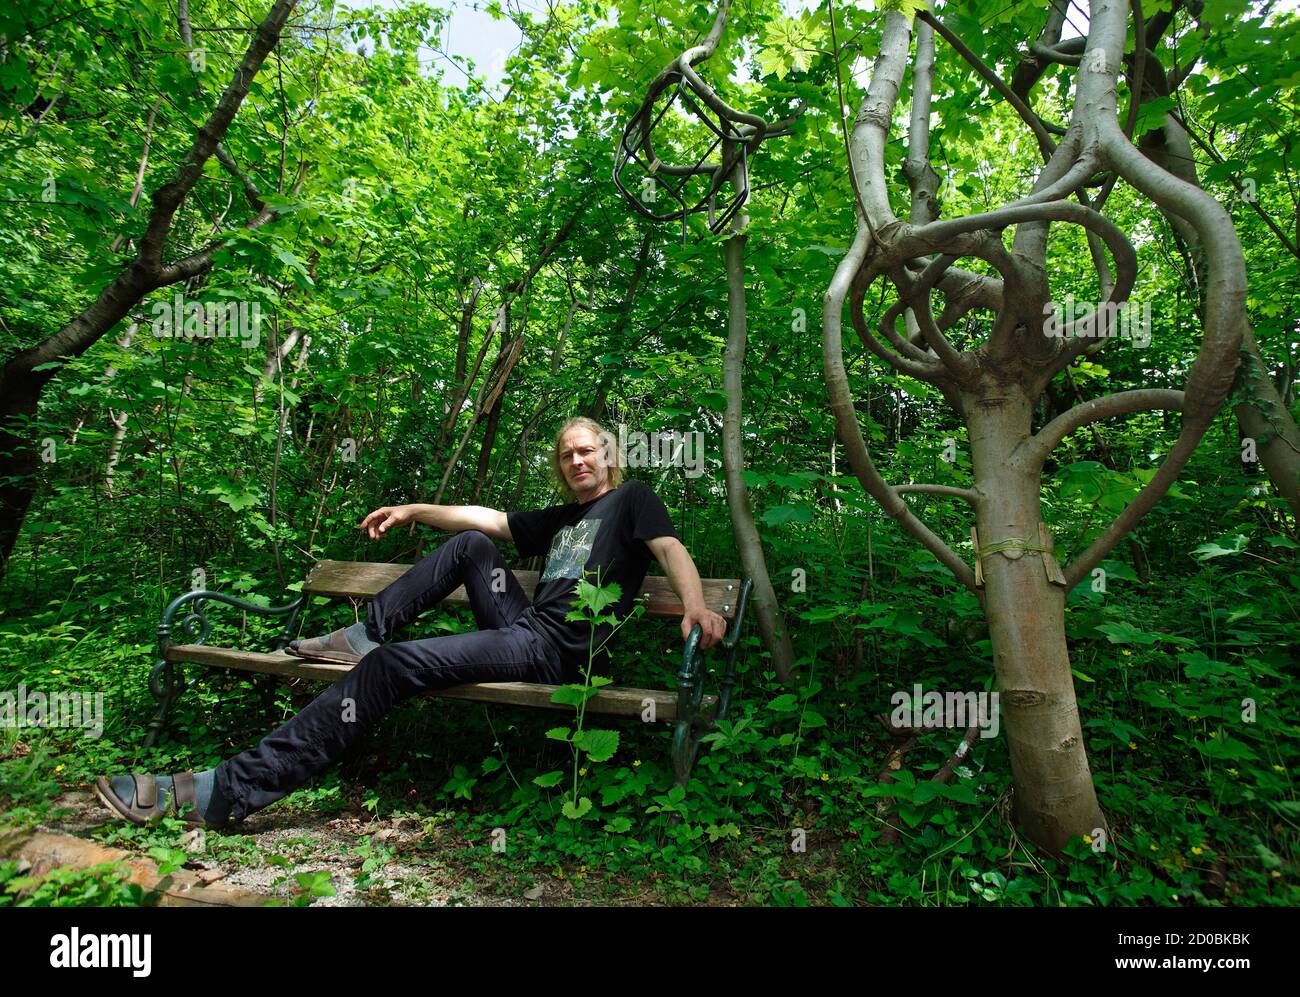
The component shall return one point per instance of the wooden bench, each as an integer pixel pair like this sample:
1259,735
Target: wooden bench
692,713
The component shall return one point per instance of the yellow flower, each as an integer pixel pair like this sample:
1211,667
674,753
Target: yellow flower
1232,771
1133,745
1214,733
1128,653
1087,839
1197,849
843,705
739,783
55,671
582,771
826,777
58,768
1153,848
637,763
1195,717
1278,768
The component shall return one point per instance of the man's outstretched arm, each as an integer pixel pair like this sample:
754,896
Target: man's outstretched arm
453,518
683,576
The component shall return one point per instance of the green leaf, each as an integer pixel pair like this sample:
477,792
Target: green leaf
549,780
779,515
909,8
599,745
960,792
1152,113
1123,632
569,695
811,718
1225,748
927,791
577,812
1237,543
1197,665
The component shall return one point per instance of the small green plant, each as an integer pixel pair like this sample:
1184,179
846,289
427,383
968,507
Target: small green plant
102,885
373,859
598,745
313,885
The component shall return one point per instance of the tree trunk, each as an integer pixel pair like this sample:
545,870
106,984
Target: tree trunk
485,451
771,621
596,410
118,419
1264,418
1054,794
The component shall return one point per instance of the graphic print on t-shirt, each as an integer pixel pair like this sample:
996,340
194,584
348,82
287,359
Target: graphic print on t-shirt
570,550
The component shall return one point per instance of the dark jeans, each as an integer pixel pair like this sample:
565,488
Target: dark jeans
504,649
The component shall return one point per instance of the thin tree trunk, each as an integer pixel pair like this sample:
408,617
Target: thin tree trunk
771,620
596,410
118,419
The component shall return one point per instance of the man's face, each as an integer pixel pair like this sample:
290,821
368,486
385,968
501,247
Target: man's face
582,462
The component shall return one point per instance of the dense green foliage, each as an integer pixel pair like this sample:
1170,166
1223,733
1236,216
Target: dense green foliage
400,189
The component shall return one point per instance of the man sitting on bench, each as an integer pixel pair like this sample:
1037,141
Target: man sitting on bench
609,529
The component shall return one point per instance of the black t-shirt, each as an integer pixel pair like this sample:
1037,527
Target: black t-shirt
605,534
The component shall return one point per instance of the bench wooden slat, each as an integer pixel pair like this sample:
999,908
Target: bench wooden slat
626,701
365,579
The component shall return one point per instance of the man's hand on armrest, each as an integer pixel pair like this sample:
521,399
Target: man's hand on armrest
684,577
381,520
453,518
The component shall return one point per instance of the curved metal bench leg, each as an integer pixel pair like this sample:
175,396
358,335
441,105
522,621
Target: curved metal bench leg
692,724
686,733
166,682
685,745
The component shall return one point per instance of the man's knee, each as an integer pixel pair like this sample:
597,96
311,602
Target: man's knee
474,542
477,541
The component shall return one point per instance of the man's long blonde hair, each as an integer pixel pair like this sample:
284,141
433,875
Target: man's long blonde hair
599,431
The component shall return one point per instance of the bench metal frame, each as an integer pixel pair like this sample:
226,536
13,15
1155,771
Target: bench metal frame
695,714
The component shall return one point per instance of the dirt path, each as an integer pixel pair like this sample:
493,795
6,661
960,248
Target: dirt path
407,857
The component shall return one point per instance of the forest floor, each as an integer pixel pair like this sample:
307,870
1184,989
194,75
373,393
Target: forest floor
415,861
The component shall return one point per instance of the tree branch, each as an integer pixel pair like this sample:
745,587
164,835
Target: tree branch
846,418
962,493
167,198
1031,453
1045,143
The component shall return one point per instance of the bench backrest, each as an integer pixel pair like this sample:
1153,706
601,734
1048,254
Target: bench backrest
365,579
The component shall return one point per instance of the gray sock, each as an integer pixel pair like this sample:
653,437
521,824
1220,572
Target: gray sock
359,637
214,807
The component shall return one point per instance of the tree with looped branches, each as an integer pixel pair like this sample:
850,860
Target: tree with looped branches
989,335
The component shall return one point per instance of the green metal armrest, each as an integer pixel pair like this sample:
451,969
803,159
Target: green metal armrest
165,681
690,690
199,618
